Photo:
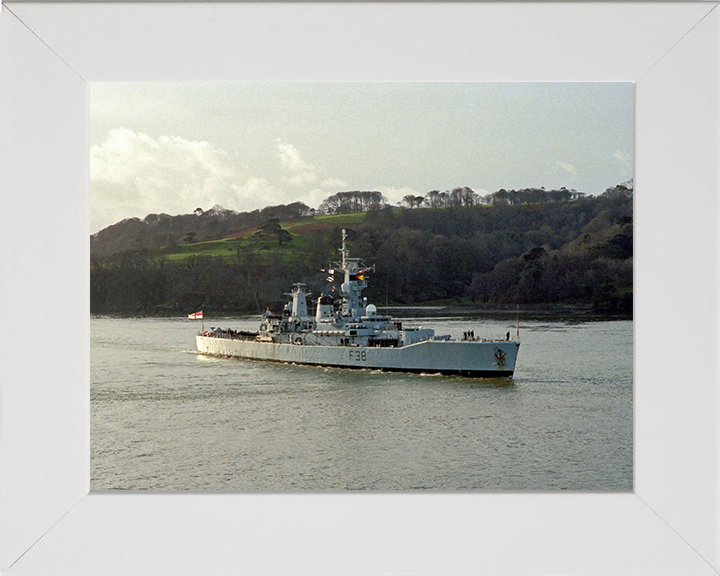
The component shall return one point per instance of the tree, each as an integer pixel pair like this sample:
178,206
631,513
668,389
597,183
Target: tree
354,201
269,229
411,201
433,199
283,236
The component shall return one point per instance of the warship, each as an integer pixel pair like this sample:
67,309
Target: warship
347,332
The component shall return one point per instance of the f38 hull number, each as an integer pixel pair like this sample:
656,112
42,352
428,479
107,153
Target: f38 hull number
358,355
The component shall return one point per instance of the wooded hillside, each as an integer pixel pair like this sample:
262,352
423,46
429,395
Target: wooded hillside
515,247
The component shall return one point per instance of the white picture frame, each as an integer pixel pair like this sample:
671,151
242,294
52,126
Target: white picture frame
50,523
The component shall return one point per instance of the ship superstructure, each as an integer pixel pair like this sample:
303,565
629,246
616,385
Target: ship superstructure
348,332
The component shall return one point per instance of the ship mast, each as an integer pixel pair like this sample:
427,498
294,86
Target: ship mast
353,281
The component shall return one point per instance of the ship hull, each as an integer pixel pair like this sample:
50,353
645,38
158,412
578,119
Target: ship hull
462,358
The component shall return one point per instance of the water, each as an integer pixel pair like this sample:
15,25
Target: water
166,418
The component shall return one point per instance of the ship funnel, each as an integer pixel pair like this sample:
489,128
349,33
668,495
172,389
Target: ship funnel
299,301
325,308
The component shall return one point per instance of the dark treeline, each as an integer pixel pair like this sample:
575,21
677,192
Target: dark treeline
357,201
576,250
247,281
573,251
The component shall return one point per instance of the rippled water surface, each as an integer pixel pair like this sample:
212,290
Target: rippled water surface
166,418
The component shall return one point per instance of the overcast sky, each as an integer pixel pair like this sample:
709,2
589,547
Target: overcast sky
160,147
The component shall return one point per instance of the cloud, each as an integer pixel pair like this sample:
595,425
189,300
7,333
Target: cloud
315,197
301,174
567,168
622,158
134,174
291,158
625,162
393,195
303,179
334,183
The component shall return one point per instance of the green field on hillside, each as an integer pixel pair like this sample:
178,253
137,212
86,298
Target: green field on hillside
302,231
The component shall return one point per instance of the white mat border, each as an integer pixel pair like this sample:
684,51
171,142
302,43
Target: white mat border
667,48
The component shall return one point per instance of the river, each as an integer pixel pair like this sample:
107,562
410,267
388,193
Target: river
164,417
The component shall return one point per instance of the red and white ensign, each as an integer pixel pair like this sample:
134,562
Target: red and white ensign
196,315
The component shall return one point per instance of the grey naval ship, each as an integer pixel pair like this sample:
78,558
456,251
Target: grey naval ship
347,332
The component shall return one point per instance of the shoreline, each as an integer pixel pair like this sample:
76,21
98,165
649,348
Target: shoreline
526,311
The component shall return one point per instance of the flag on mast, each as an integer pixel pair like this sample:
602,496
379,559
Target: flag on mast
196,315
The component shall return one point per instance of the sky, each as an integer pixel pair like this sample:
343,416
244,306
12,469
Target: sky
175,147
